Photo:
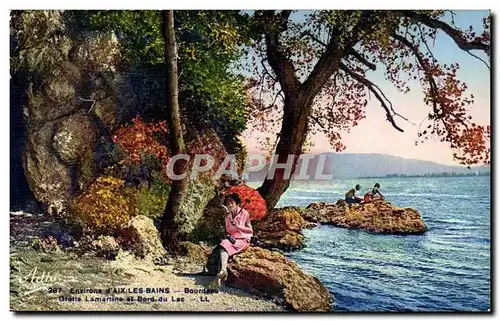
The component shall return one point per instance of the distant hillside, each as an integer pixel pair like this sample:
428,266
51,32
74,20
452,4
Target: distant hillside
345,165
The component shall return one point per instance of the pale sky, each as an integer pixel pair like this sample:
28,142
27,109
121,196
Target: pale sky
375,135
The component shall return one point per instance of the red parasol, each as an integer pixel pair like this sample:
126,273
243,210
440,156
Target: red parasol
250,200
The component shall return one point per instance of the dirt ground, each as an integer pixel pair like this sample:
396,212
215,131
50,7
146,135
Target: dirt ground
67,281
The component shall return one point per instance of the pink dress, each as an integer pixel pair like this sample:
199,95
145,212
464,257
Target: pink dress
240,232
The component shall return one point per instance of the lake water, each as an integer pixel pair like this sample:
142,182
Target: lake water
446,269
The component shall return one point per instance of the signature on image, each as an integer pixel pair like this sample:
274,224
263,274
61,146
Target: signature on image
37,280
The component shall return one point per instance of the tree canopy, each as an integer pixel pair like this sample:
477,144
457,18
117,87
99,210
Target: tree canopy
326,56
209,42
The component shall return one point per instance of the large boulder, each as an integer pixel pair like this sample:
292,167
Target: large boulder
212,226
97,52
48,176
197,196
67,81
59,158
195,253
72,137
378,216
285,240
141,237
281,228
271,274
192,217
74,141
282,219
311,217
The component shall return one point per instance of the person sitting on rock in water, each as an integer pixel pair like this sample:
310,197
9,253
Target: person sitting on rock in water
376,191
373,194
350,196
238,234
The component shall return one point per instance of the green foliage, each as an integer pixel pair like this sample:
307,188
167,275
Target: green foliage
139,33
241,153
209,43
151,200
201,35
345,24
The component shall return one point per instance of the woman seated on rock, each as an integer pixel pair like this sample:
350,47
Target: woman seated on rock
350,196
373,194
238,233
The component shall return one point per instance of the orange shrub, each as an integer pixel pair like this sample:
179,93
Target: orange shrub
105,206
140,137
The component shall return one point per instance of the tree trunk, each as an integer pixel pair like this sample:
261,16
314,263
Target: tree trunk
169,230
292,137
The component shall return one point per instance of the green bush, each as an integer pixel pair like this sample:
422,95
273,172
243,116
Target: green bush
151,200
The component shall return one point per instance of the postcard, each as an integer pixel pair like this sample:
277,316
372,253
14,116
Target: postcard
256,160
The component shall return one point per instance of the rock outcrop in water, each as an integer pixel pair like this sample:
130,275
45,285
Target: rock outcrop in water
281,228
378,216
258,270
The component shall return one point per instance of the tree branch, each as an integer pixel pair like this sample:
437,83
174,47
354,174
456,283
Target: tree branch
429,77
330,59
455,34
276,97
324,68
316,120
480,59
362,59
420,59
351,51
390,104
282,66
284,15
425,43
313,37
372,88
89,100
266,72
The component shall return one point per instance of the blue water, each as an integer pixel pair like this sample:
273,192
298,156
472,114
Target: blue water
446,269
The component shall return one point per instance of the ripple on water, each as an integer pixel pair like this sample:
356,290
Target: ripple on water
446,269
